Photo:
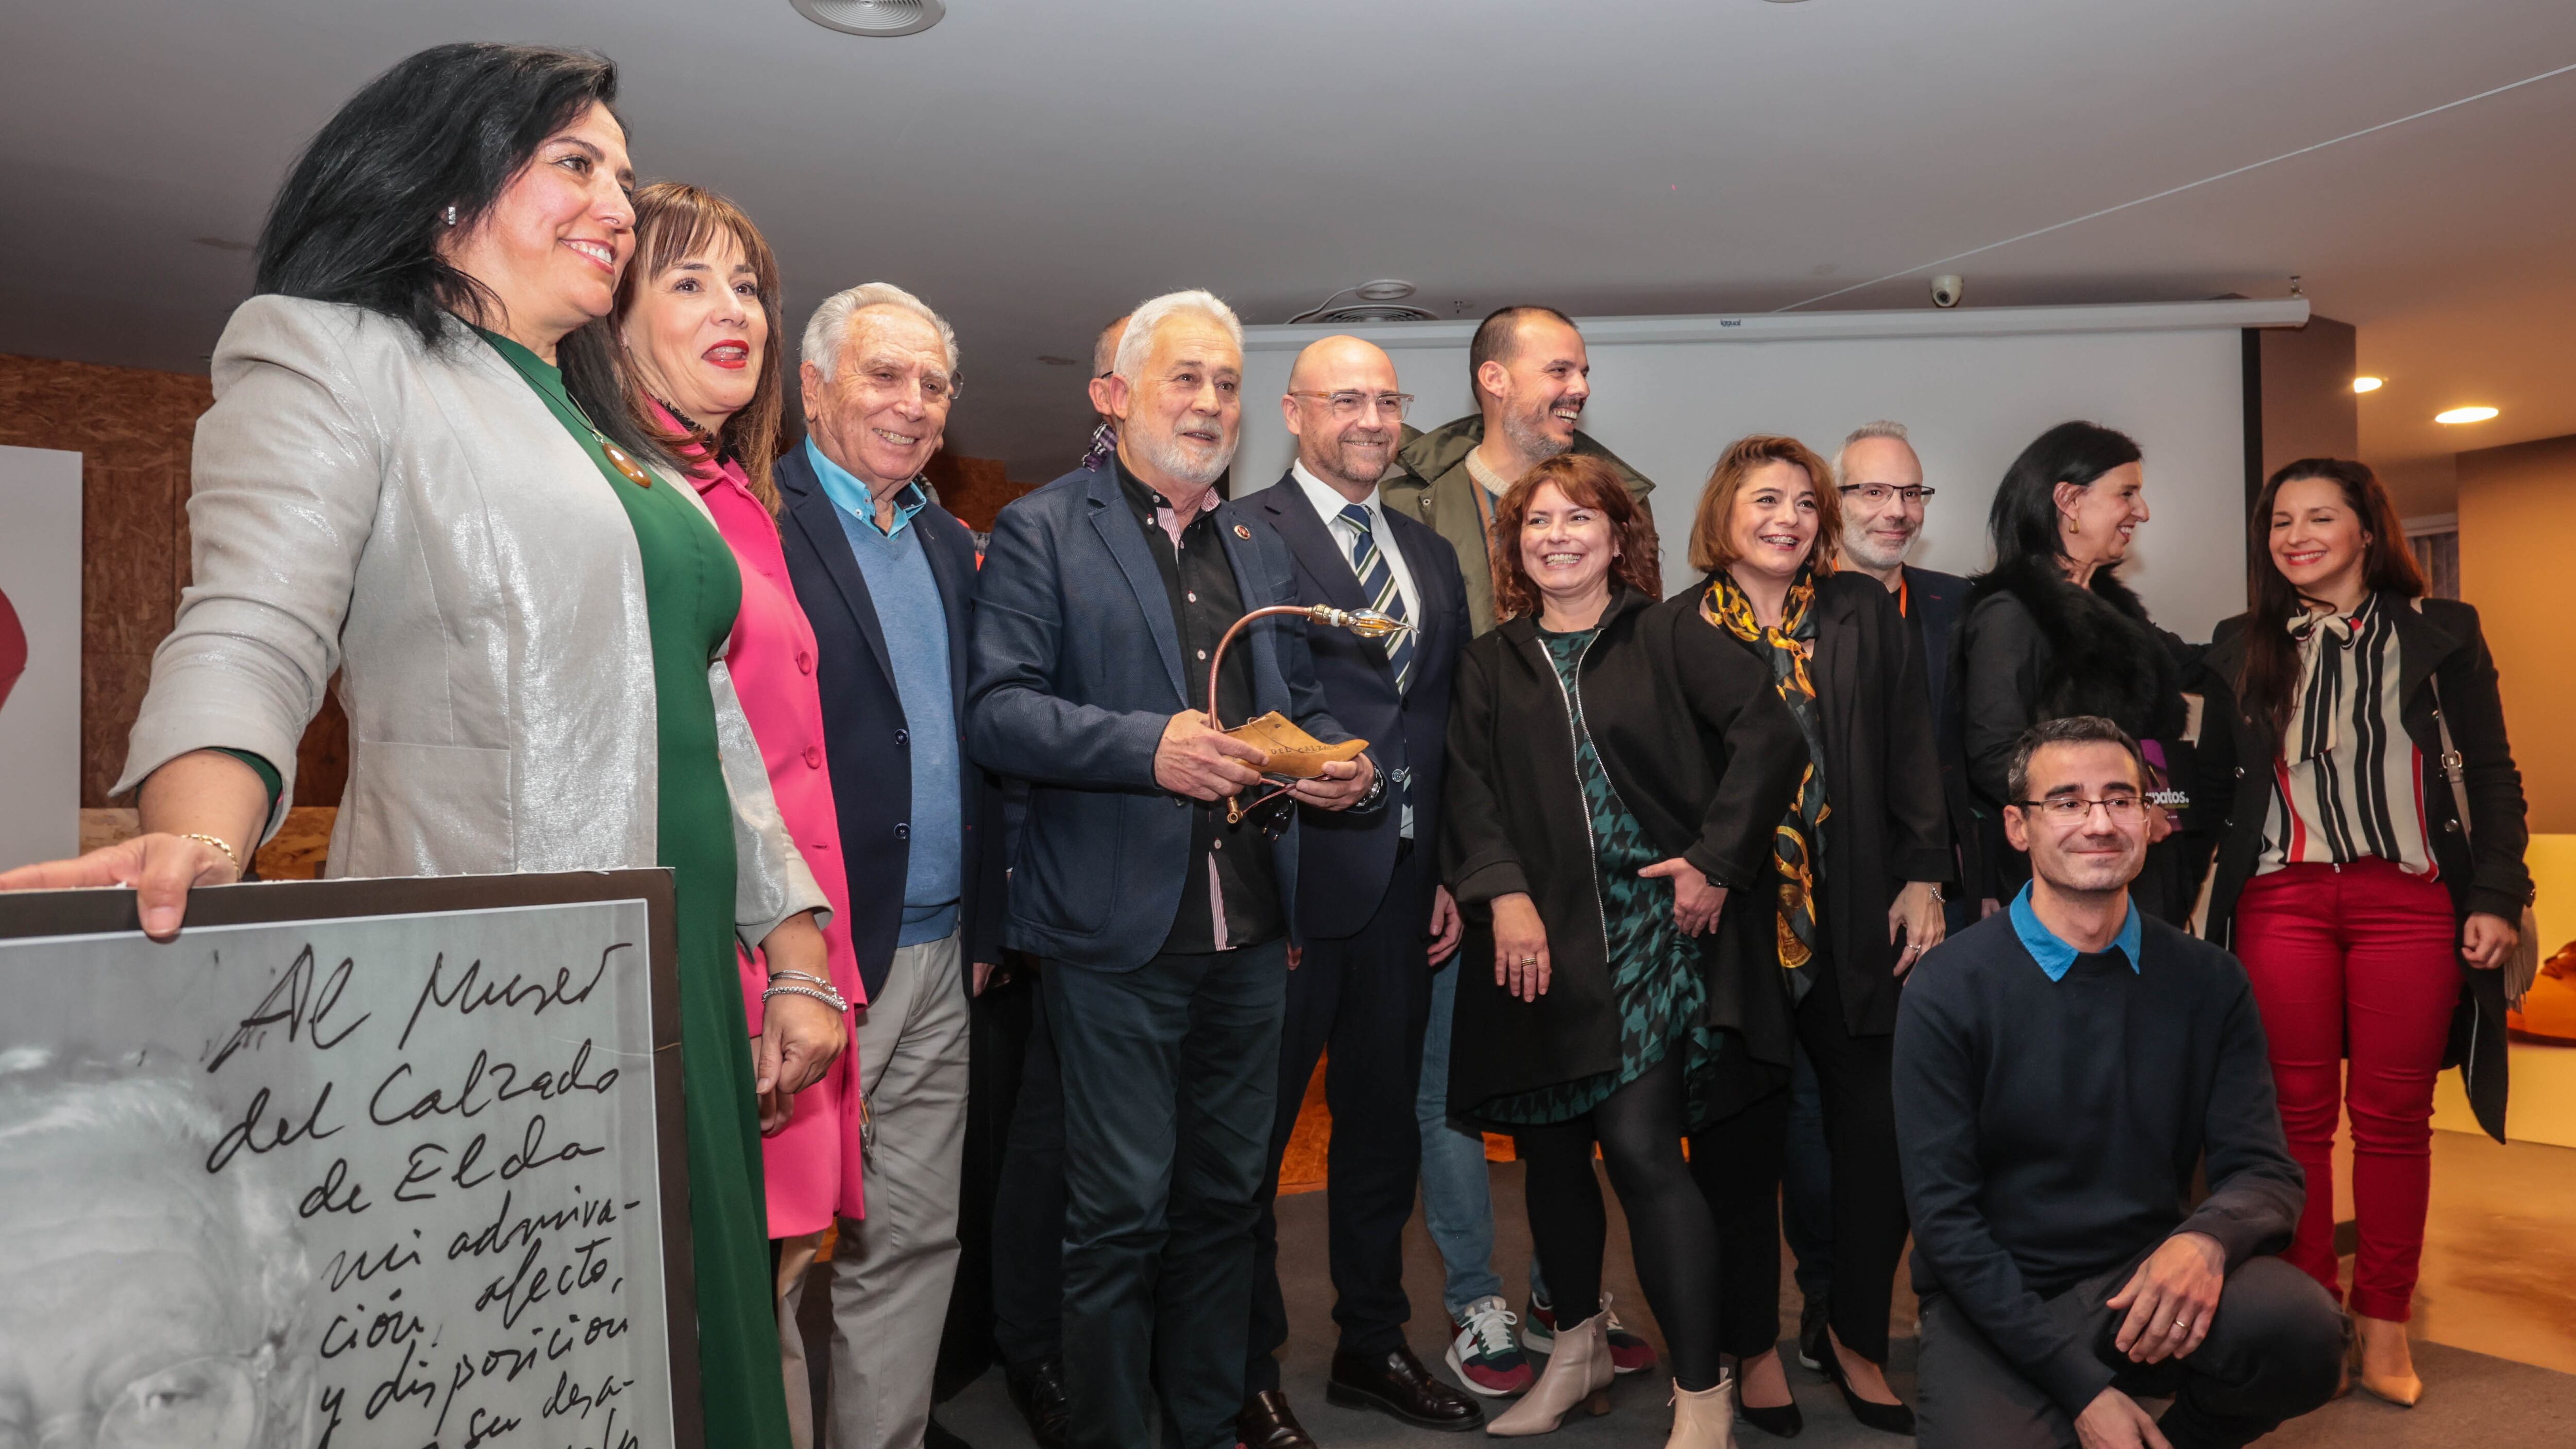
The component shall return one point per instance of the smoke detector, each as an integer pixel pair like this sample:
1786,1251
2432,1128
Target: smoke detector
878,18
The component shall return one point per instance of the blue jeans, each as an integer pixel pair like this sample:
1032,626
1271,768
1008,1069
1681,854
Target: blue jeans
1457,1195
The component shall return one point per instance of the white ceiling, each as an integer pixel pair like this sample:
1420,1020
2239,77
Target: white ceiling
1032,167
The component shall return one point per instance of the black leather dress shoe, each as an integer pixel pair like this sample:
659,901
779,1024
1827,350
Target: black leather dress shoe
1268,1423
1037,1391
1397,1383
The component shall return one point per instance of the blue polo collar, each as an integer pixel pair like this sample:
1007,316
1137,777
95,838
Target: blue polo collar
2053,954
852,495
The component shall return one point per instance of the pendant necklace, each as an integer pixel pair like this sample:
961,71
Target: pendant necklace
616,455
626,466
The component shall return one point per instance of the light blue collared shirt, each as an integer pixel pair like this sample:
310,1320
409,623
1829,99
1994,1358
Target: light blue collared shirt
2052,952
852,495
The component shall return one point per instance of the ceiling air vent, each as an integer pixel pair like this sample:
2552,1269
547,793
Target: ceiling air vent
1367,312
873,17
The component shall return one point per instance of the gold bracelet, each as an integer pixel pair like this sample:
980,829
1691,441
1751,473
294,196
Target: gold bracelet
217,844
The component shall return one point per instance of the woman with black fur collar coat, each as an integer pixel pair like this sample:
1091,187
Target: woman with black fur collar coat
2051,632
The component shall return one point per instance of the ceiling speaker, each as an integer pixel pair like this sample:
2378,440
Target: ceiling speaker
873,17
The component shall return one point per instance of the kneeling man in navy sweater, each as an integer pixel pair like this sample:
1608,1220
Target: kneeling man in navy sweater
2061,1068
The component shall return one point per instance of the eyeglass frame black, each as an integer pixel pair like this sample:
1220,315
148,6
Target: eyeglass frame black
2138,802
1922,492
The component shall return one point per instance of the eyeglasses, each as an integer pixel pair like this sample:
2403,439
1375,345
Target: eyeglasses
205,1403
1352,404
1881,492
2067,809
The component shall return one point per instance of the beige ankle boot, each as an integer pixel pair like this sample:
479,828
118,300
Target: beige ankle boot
1706,1419
1578,1372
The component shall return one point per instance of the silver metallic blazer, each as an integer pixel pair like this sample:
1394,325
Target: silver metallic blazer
419,523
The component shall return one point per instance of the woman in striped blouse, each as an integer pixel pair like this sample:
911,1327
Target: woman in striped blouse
2368,913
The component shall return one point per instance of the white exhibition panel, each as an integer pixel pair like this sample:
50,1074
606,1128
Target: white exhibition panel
40,585
1973,387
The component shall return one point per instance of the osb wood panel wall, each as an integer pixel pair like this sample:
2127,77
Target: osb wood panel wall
133,429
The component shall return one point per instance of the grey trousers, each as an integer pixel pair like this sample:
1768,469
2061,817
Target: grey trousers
2272,1354
891,1271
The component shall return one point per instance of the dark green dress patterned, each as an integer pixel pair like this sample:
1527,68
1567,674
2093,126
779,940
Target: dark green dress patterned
692,590
1655,979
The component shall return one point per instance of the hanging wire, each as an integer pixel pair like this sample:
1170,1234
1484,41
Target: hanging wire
2187,186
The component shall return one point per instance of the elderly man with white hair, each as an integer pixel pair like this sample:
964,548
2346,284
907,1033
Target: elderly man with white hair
887,578
1162,921
142,1301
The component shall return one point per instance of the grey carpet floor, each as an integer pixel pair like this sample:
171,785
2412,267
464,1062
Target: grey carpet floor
2471,1399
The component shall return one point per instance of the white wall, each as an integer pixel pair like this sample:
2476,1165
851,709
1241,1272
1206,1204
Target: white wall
1974,387
40,573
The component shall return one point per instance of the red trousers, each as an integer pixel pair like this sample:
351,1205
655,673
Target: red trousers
2356,963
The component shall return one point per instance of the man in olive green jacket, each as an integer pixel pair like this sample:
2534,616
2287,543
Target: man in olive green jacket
1531,378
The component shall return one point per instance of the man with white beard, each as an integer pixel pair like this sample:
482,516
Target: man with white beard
1530,377
1162,927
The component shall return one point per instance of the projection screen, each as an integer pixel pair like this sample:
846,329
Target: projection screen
1668,393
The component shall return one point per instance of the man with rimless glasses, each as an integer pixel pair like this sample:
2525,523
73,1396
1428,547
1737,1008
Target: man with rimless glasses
143,1303
2061,1069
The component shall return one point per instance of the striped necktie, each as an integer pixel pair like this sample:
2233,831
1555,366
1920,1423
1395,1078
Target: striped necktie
1378,582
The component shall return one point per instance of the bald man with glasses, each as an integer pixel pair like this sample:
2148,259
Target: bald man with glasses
1369,908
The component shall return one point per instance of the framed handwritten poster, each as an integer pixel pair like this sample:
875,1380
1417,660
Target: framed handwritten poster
348,1165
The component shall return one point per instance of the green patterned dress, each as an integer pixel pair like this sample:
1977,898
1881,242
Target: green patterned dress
1655,979
692,590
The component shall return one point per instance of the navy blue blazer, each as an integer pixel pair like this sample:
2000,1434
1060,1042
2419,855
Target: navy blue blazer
1077,669
1345,860
864,728
1935,602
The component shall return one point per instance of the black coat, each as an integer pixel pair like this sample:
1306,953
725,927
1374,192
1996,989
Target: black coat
2035,647
1702,752
2443,670
1346,858
1887,823
1936,604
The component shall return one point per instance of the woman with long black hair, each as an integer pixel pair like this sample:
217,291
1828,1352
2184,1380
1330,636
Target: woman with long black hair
2347,719
398,484
2052,632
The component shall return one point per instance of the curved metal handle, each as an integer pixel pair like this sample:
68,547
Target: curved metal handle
1367,623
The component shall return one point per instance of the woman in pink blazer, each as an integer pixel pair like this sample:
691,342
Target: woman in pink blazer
697,311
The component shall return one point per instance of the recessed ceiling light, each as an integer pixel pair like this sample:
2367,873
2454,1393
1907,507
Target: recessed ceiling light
1385,289
876,18
2465,415
2368,384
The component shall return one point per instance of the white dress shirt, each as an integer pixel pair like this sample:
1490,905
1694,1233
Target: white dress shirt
1329,504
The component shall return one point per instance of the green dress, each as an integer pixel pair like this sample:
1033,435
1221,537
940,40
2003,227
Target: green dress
1655,979
692,590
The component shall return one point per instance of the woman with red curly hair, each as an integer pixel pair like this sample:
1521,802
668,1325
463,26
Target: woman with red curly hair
1615,769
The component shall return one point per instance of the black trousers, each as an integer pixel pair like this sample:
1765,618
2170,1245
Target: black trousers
1738,1161
1368,998
1171,1078
1028,1208
1639,1128
2272,1354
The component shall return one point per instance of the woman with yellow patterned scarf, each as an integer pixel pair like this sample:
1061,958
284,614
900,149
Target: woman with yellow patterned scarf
1856,866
